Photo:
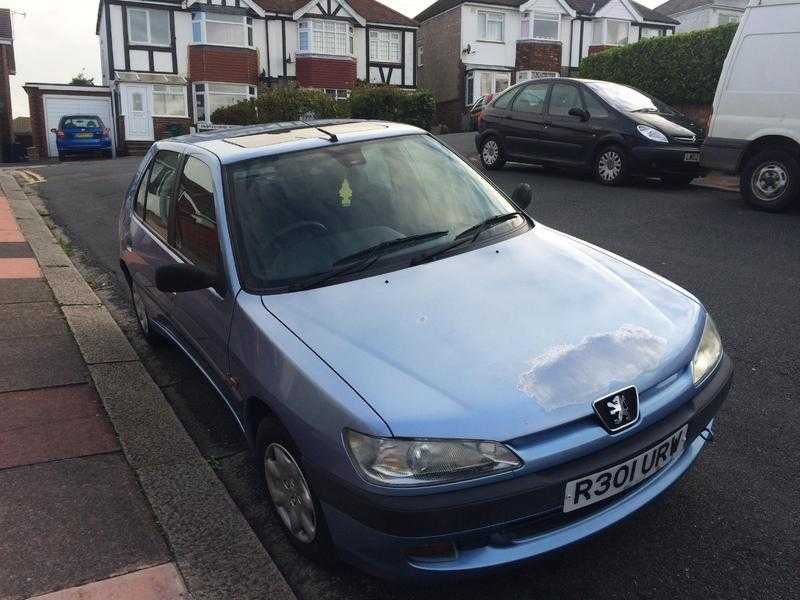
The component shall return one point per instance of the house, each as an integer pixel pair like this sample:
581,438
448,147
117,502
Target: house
171,63
703,14
7,68
471,49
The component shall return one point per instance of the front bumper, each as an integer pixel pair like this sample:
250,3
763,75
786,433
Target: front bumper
509,522
665,160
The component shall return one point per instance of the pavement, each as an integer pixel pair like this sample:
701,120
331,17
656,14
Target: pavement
103,496
728,530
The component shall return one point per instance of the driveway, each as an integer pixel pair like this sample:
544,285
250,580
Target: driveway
728,530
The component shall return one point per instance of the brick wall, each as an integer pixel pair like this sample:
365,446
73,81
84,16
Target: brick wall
313,71
229,65
442,71
161,126
596,49
6,126
538,56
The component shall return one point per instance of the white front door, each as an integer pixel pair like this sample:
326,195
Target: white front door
138,117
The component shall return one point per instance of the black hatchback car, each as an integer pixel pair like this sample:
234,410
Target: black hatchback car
612,129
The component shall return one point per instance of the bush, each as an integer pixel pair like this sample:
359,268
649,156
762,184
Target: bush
389,103
678,69
281,104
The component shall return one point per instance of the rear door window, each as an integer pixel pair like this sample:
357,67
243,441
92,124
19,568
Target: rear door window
160,186
531,99
504,101
195,217
563,98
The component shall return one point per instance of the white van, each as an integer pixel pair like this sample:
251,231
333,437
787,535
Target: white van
755,127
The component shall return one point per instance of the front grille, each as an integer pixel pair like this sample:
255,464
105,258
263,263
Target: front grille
686,139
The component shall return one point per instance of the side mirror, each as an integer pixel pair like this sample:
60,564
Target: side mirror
579,112
184,278
54,130
523,196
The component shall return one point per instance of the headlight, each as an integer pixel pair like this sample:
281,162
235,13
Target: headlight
405,462
708,352
652,133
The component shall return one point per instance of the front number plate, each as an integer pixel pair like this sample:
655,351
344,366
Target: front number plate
604,484
691,157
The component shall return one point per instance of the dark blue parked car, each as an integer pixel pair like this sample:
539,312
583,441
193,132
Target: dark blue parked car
79,134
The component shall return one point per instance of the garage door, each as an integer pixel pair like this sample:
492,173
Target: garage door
56,107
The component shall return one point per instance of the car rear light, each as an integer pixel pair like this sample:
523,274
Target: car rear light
106,133
59,134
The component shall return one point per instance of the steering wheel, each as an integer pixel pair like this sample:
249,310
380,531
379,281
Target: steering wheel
316,226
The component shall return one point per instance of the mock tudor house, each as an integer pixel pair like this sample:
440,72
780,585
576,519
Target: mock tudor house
470,49
171,63
703,14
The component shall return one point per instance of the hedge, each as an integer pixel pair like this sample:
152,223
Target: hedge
382,102
280,104
678,69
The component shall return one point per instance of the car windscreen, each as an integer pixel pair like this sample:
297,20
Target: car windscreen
627,99
297,214
81,122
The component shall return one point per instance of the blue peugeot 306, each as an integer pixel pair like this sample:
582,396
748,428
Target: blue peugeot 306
433,383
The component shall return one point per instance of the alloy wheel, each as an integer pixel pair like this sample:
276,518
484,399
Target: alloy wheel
490,152
290,493
609,166
769,181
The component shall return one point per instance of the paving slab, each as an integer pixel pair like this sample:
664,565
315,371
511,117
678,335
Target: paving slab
162,582
15,250
98,336
24,290
37,362
53,424
71,522
31,319
11,236
19,268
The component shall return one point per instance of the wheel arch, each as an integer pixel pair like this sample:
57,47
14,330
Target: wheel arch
768,141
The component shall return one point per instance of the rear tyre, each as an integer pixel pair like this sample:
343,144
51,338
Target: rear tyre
62,157
611,166
145,326
677,181
492,154
290,494
770,180
108,154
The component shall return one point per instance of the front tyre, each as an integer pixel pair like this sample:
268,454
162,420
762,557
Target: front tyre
492,154
611,166
770,180
291,496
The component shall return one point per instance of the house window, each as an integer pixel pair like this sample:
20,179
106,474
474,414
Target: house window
419,55
222,29
148,27
491,26
338,95
540,25
531,75
169,101
725,19
609,32
208,97
318,36
488,82
384,46
651,32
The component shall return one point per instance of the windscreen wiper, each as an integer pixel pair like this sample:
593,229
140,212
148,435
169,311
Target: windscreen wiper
363,259
470,235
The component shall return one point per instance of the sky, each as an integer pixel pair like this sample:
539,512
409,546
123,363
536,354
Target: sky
54,40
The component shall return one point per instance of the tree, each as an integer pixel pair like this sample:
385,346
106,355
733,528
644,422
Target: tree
82,79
